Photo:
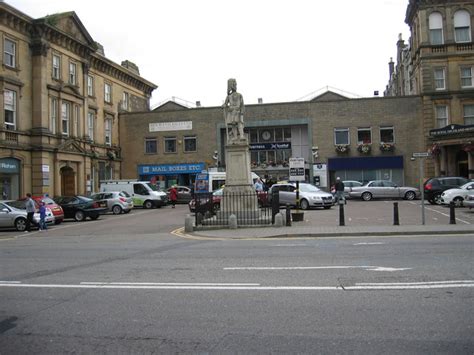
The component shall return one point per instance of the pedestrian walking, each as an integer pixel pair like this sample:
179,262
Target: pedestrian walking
30,212
42,212
173,195
339,187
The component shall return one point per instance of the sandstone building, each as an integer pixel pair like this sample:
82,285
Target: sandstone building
438,66
61,99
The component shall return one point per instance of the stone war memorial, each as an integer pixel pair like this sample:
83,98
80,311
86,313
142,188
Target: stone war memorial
239,197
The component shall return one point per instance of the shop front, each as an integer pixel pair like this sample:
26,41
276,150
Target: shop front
364,169
166,175
10,178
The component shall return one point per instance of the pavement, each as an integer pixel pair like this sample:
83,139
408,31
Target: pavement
298,230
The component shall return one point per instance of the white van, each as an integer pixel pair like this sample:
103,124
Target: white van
143,193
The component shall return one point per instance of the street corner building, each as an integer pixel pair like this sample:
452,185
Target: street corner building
59,129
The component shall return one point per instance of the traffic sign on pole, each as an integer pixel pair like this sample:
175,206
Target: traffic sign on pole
296,169
421,155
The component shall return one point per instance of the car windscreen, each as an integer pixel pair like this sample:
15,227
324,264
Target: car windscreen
21,205
153,187
308,188
124,194
48,201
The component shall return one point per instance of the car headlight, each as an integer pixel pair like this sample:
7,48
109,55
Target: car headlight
317,198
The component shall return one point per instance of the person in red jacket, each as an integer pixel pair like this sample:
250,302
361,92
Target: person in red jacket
173,195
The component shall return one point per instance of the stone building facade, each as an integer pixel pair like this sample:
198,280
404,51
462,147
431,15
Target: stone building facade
357,139
438,65
61,99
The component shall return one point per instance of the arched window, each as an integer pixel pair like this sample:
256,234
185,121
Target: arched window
462,26
436,28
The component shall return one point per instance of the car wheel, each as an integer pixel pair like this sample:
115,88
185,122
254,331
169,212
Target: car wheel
458,201
432,202
304,205
148,204
94,217
327,207
79,216
367,196
116,209
57,222
437,199
20,224
410,195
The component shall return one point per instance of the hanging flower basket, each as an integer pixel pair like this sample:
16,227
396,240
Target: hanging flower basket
435,149
342,148
364,148
387,147
111,155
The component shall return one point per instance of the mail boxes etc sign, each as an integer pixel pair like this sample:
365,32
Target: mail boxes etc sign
170,169
170,126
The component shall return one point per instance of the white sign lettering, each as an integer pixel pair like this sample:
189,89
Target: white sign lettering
170,126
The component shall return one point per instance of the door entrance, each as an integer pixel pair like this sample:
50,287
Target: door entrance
462,164
68,182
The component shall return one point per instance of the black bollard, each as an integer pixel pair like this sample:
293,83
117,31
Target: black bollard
396,220
341,213
288,215
452,214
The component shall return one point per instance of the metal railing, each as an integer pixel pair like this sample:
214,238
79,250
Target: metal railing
247,209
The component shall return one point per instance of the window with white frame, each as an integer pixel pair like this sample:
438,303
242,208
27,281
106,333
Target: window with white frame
77,116
125,101
170,144
190,144
341,136
108,131
468,114
108,93
9,106
72,73
56,67
151,146
90,85
440,79
90,124
466,77
387,134
436,28
65,117
53,115
462,26
364,135
9,53
441,116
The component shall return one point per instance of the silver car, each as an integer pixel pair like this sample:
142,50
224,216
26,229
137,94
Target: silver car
384,189
13,215
310,195
117,201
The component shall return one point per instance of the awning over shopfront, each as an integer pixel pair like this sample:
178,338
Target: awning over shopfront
358,163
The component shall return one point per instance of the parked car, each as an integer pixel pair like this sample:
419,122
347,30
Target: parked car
310,195
384,189
457,195
348,185
117,201
434,187
57,211
469,201
184,194
13,214
81,207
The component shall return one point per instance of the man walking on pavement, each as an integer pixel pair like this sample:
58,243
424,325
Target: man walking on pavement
339,187
30,211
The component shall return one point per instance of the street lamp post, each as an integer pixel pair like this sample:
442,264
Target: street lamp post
421,157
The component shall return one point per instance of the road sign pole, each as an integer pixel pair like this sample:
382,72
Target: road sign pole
422,190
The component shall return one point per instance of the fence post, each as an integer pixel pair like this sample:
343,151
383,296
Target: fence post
452,213
396,220
341,213
288,215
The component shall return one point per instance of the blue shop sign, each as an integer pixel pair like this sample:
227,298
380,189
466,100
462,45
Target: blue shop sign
9,165
170,169
270,146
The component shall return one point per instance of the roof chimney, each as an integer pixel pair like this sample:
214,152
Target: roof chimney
260,100
198,103
391,67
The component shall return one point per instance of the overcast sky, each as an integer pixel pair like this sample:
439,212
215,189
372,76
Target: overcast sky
277,50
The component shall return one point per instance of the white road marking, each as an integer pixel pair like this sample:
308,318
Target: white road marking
369,243
290,245
168,284
414,283
446,215
208,286
368,268
10,282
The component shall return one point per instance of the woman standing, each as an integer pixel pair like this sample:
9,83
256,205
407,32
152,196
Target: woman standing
173,195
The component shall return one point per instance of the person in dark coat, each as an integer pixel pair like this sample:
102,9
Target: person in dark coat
339,187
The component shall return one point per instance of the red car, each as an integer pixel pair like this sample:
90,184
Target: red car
58,212
262,197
